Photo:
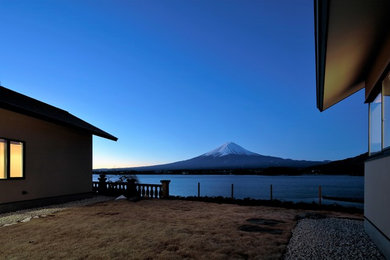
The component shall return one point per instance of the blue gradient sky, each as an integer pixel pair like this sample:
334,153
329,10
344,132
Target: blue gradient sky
175,79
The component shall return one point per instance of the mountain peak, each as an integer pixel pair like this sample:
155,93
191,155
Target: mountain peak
228,149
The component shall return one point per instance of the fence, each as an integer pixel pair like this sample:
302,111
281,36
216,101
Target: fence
131,188
271,195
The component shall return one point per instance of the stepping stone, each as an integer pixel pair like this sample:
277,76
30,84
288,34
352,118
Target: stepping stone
262,221
253,228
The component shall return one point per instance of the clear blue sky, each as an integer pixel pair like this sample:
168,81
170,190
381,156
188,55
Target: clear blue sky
175,79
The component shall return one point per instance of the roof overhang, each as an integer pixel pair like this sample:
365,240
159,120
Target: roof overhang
19,103
352,39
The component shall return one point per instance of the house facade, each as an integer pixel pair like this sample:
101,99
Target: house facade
45,153
353,53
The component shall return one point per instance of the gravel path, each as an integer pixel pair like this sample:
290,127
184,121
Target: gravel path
12,218
331,238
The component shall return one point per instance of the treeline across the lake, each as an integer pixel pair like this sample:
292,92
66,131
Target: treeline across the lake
268,171
350,166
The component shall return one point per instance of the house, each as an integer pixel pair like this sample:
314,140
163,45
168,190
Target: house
45,153
352,53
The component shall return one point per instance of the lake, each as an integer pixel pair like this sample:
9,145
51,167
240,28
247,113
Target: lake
303,188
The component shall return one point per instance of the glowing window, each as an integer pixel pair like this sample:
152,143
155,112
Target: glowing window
11,159
3,159
16,162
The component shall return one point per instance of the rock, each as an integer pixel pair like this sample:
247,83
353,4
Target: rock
26,220
121,197
9,224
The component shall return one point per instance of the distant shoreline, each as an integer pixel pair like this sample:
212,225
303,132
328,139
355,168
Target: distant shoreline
351,166
236,174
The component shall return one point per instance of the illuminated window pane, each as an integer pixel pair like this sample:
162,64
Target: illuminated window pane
3,160
386,111
16,159
376,125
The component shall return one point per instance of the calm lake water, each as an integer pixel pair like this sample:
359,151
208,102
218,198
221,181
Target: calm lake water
288,188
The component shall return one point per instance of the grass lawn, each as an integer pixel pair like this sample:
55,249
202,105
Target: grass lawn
152,229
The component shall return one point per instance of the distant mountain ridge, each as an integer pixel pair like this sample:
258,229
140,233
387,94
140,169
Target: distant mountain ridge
349,166
229,156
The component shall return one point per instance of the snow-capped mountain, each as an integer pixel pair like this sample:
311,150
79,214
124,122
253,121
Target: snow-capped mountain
228,148
229,156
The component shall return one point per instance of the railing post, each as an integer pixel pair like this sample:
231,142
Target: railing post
232,191
165,188
147,191
198,189
319,195
131,189
270,192
102,184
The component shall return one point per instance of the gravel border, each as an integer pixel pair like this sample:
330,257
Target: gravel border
331,238
21,216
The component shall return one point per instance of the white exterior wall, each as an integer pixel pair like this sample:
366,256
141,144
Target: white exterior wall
377,202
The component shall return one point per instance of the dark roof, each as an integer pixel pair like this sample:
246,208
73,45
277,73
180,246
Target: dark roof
19,103
352,48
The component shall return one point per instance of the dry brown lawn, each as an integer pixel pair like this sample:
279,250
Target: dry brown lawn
149,229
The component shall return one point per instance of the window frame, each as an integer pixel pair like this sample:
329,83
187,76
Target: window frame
369,129
8,159
370,153
383,150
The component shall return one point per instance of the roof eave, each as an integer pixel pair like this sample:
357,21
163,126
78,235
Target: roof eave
321,16
107,136
97,132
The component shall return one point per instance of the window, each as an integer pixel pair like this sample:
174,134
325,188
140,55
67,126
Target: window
386,111
3,161
379,119
375,118
11,159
